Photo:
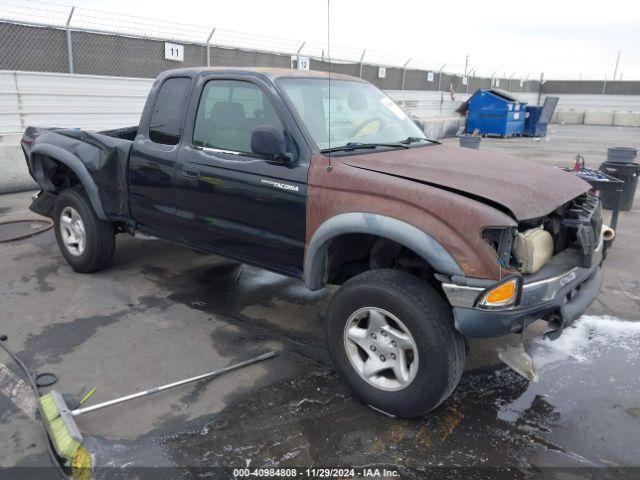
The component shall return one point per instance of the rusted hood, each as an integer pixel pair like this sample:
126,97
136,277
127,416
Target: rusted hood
525,188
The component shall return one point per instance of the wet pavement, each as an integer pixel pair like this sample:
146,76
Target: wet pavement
585,412
563,143
163,312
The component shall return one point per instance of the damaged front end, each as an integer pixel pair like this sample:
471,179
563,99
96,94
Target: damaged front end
552,271
527,248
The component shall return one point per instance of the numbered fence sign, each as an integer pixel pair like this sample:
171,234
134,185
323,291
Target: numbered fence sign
173,51
382,72
303,63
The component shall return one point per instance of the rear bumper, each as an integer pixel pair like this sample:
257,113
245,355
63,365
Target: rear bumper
558,293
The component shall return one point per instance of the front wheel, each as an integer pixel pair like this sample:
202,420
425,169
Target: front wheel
86,241
392,339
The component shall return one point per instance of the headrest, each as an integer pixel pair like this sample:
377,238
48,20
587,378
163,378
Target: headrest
227,112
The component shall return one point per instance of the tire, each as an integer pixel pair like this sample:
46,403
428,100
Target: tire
96,251
430,376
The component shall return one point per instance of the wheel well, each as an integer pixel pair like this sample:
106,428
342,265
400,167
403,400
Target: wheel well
351,254
59,175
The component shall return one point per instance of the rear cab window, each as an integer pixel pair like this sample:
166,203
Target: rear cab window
167,118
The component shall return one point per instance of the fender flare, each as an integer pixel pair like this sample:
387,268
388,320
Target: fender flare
397,230
75,165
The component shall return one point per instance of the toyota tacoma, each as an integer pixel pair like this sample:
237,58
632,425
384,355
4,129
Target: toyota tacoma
322,177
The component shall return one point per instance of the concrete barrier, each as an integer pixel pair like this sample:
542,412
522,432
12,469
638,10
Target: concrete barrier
14,174
598,118
626,119
570,117
442,127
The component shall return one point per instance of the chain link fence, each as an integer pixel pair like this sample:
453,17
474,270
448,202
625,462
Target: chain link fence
33,48
39,36
56,49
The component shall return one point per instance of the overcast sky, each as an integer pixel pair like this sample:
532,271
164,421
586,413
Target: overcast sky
563,38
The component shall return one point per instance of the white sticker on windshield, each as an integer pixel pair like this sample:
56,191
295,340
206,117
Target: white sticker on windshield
395,109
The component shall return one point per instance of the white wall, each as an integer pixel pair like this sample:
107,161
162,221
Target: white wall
63,100
96,102
427,103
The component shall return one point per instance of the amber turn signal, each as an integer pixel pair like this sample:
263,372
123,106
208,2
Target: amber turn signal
503,295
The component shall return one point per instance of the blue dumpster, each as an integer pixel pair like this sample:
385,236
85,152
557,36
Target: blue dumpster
537,118
495,112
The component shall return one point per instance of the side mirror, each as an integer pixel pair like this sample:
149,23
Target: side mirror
269,141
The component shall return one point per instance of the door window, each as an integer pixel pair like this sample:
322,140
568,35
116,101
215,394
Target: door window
168,112
228,112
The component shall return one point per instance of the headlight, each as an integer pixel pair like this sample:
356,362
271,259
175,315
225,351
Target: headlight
504,294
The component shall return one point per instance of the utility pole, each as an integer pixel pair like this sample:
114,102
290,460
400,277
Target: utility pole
615,70
466,64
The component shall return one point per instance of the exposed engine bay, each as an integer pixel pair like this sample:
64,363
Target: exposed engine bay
576,224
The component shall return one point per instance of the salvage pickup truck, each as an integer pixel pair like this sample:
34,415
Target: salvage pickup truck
324,178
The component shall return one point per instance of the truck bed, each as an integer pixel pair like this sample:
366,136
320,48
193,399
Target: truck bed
125,133
105,155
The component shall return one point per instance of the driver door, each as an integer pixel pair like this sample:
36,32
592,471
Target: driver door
230,200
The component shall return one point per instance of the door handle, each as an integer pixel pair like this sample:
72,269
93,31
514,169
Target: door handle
191,172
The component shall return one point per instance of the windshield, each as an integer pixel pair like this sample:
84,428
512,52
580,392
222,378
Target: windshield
360,113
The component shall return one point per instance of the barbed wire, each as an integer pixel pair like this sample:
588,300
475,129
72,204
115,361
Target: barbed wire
46,13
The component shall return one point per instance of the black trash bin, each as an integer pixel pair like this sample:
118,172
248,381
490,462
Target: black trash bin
628,173
622,154
469,141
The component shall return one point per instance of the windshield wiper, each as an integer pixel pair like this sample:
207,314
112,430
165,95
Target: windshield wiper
361,146
410,140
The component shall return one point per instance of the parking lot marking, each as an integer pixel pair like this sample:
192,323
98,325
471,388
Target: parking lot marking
18,391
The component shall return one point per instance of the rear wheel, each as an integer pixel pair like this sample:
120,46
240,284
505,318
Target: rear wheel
391,337
86,241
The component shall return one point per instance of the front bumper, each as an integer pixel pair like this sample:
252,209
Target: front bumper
559,293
